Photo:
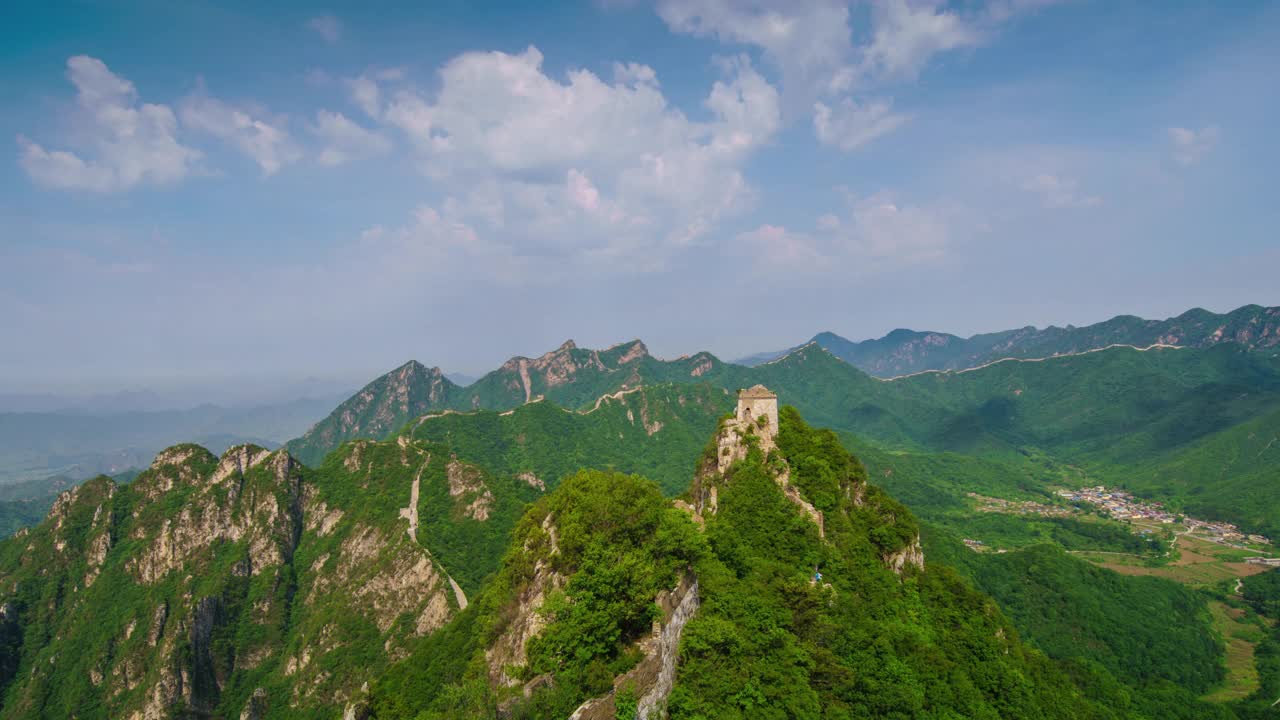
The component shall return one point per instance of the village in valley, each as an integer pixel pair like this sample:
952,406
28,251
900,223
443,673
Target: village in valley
1145,516
1121,505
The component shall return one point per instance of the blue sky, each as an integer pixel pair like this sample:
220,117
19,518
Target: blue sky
198,191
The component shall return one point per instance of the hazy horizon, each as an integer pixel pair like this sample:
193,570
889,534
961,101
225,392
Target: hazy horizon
194,390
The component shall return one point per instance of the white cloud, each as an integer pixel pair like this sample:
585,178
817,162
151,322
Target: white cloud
807,41
875,232
773,246
823,69
849,126
907,34
345,140
125,143
265,141
367,95
603,169
634,74
327,26
882,229
1190,146
1060,192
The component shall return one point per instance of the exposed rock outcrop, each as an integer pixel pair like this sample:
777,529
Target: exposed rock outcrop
466,485
509,650
910,556
653,677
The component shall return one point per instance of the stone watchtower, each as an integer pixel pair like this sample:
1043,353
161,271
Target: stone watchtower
757,402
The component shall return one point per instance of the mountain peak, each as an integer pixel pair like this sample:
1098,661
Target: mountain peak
413,368
624,352
567,345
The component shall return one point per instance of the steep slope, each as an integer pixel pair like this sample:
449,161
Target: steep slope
455,509
380,408
612,603
211,586
902,352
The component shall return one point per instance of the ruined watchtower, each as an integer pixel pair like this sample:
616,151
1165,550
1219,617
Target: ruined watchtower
758,402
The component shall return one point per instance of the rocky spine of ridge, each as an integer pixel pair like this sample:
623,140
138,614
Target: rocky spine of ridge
755,425
523,380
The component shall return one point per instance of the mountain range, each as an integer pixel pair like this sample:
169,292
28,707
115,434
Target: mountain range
902,351
597,534
1118,413
252,586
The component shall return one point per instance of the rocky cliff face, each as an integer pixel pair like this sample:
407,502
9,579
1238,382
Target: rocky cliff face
211,587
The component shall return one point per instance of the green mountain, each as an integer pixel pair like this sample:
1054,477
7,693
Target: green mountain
379,409
568,376
1121,416
1230,473
208,587
612,602
653,430
465,567
1151,421
902,352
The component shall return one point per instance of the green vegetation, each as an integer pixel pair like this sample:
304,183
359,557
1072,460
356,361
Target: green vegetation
769,643
1141,629
616,542
1262,595
1178,423
656,431
319,593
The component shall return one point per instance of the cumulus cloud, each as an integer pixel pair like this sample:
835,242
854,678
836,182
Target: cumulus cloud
908,34
873,232
1190,146
366,89
264,140
327,27
366,94
344,140
1060,192
849,125
823,69
603,168
807,41
126,143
